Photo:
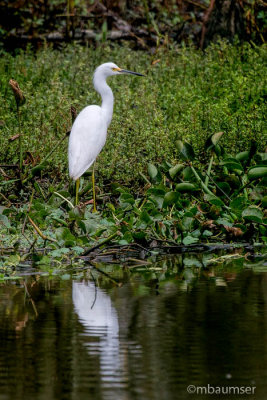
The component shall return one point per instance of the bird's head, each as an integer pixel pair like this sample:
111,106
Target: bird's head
109,69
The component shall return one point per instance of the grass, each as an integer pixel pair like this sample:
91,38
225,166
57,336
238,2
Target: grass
186,94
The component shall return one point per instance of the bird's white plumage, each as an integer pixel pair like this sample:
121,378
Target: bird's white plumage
86,140
89,131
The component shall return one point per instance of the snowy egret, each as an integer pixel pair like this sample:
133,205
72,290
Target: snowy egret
89,131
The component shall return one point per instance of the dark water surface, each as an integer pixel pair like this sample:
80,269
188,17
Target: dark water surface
135,334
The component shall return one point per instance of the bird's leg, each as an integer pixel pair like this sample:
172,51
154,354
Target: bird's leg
77,185
93,184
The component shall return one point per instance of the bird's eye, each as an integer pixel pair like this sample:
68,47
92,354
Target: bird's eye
116,69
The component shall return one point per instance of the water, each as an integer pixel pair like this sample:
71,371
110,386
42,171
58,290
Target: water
139,334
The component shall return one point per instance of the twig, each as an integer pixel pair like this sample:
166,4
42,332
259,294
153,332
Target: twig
108,239
205,20
64,198
40,233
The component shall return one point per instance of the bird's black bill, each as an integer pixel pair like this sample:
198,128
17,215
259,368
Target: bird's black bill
125,71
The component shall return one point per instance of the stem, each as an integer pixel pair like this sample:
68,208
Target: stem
204,187
20,143
64,198
208,172
77,184
40,233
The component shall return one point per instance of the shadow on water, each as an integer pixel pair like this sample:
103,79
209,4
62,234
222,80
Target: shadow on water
144,333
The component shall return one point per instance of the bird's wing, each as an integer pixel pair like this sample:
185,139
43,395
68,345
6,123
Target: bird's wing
87,138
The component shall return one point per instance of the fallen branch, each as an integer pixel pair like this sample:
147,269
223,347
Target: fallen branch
108,239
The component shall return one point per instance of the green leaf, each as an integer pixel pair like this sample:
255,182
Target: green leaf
225,188
213,140
186,150
59,252
139,235
207,233
232,164
170,198
126,199
213,200
13,260
185,187
144,217
242,156
189,240
152,171
77,250
253,214
223,221
187,222
188,174
37,170
257,172
4,221
175,170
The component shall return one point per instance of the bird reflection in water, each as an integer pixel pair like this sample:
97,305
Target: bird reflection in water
100,320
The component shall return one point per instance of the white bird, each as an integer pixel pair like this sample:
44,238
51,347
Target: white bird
89,131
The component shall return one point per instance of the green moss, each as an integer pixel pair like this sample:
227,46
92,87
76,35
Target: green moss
186,95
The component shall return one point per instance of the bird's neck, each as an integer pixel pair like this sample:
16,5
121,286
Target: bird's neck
106,94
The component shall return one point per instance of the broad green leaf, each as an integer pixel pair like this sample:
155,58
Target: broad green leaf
213,140
242,156
128,237
186,150
59,252
156,196
170,198
144,217
253,214
175,170
37,170
187,222
232,164
225,188
224,221
4,221
152,171
238,204
188,174
207,233
139,235
185,187
75,214
77,249
190,240
13,260
81,225
126,199
257,172
213,200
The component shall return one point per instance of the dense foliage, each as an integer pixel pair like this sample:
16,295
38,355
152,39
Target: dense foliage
185,95
144,23
184,162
